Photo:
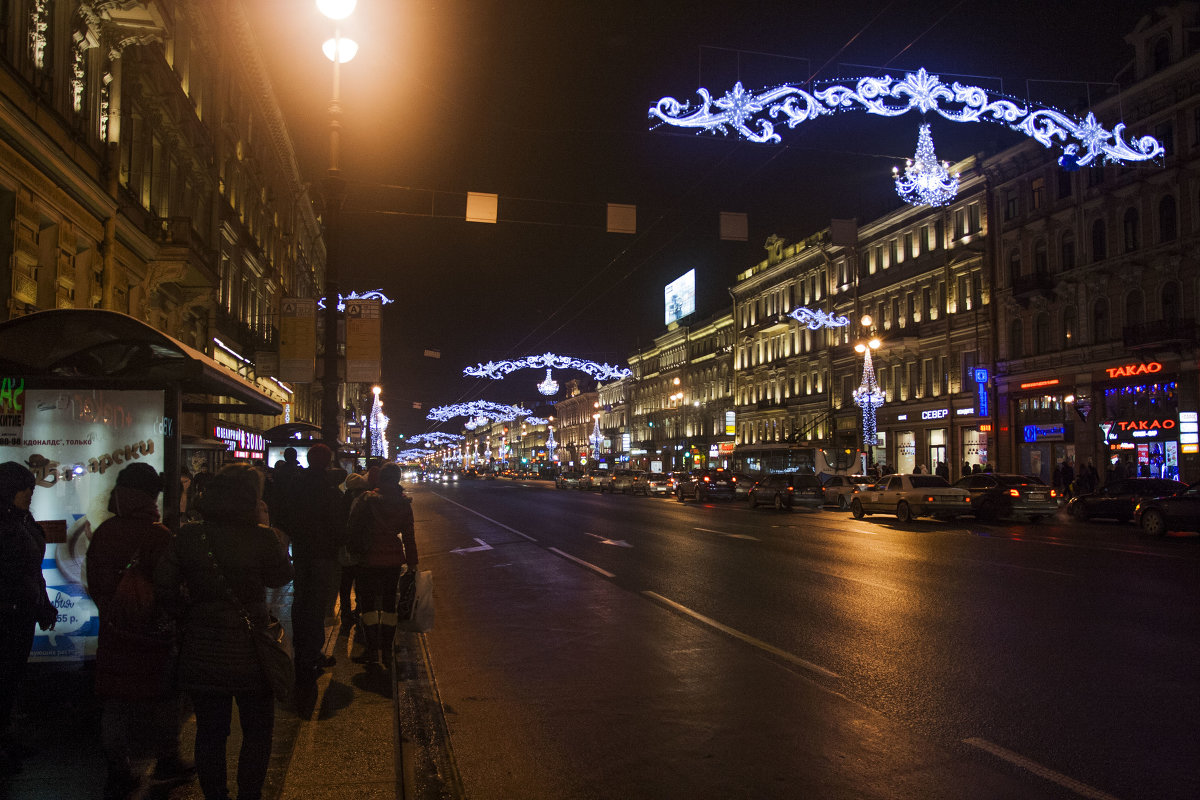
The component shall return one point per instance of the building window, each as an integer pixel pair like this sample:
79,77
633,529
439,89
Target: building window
1168,226
1100,331
893,256
1041,333
973,218
1161,54
1016,344
1170,302
1099,243
1037,193
1165,133
1014,267
910,249
1066,185
1041,261
960,223
1068,327
1135,308
1010,206
1068,251
1129,227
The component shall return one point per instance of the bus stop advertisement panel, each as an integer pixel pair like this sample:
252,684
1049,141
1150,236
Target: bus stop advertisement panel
75,442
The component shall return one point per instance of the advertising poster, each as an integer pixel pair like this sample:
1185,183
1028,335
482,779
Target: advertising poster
680,296
363,340
75,443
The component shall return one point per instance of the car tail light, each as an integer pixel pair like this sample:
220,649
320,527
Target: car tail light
733,479
1014,492
706,479
929,499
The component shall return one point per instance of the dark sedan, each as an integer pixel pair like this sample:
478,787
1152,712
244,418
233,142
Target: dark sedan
788,491
705,483
1116,499
1177,512
997,496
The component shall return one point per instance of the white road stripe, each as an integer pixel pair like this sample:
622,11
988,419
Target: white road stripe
582,563
1079,788
489,519
750,640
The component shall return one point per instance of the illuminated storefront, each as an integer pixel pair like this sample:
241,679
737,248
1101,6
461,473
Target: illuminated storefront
1141,422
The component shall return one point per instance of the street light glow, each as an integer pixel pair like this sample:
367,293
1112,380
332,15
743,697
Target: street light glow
340,49
336,9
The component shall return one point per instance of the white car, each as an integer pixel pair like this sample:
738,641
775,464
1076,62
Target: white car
840,489
909,496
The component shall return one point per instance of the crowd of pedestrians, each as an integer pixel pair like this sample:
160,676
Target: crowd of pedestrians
176,609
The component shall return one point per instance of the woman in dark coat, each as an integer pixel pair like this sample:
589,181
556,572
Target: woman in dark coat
23,599
217,661
380,532
134,674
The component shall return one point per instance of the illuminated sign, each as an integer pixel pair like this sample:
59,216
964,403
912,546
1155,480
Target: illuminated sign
964,412
730,423
680,296
1045,433
981,393
901,417
1145,424
981,374
242,443
1040,384
985,428
936,413
1129,370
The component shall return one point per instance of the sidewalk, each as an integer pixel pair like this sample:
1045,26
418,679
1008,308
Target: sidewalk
373,733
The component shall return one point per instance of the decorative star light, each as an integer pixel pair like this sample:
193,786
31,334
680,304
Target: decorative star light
548,387
816,319
547,361
925,181
480,410
747,114
374,294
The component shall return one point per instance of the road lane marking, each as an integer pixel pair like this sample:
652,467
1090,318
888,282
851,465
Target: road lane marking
1079,788
748,639
489,519
730,535
482,546
606,540
582,563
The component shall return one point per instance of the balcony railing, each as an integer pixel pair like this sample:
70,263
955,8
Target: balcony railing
1161,333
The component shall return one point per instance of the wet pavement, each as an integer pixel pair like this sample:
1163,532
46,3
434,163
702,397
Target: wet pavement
372,731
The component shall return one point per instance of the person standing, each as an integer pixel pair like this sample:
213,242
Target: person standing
134,657
226,562
356,485
23,599
383,536
313,516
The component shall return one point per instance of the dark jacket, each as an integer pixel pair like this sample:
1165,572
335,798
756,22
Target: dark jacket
217,653
381,529
129,664
22,548
312,514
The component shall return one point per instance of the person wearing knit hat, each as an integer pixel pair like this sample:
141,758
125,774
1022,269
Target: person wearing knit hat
134,655
313,515
24,602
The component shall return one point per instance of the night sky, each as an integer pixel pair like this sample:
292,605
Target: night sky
544,103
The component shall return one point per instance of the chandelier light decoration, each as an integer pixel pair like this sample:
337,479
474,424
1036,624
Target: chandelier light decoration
480,410
868,396
925,181
817,319
497,370
749,115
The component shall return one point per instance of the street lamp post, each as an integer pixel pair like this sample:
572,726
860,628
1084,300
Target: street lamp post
868,396
333,189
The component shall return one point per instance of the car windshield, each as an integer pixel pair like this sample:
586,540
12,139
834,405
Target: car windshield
929,482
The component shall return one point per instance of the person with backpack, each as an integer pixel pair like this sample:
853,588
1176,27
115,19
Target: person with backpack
137,644
23,599
382,537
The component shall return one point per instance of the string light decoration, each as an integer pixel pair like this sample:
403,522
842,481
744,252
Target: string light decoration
436,438
817,319
551,445
868,396
379,423
497,370
597,437
536,421
548,387
480,410
925,181
414,454
374,294
749,115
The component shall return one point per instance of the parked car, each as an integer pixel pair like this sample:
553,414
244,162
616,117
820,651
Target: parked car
744,484
567,480
996,496
1116,499
909,496
788,490
594,480
840,489
629,481
1176,512
659,483
706,483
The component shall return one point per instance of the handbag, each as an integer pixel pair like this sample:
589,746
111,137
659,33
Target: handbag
414,601
271,643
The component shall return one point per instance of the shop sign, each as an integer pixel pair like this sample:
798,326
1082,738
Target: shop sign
935,413
242,443
981,392
730,423
1040,384
964,412
1045,433
725,447
1131,370
1137,428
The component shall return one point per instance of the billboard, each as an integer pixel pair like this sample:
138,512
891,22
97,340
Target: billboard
681,296
75,443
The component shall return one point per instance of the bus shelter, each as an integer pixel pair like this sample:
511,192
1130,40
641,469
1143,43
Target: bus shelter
82,393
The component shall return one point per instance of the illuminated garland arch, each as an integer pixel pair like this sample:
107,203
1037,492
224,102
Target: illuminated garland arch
743,113
436,438
476,410
497,370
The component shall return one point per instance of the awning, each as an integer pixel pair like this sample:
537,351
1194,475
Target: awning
93,348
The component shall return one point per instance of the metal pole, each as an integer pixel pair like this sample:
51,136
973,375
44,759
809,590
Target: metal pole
333,188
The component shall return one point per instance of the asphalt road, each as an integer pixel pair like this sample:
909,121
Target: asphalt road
594,646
